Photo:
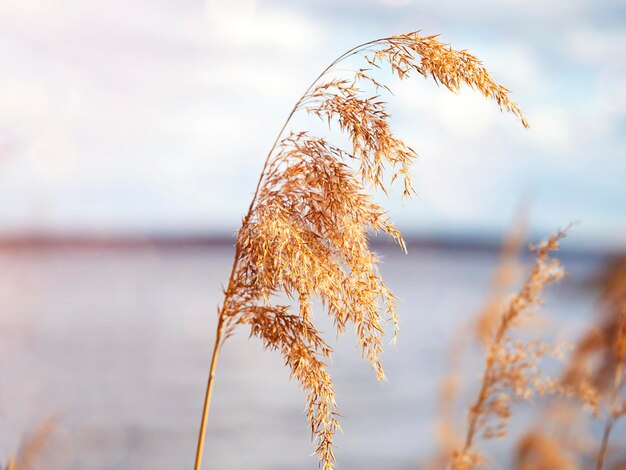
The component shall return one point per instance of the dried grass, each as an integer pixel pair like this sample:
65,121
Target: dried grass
540,451
505,274
29,455
307,228
591,367
616,405
557,440
595,375
511,366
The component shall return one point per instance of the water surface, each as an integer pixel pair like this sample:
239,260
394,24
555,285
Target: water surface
117,343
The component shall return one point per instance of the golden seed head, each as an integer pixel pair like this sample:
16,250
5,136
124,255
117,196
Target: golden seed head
306,235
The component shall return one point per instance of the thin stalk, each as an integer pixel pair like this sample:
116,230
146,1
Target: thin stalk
476,409
484,388
610,419
216,351
231,283
209,393
483,394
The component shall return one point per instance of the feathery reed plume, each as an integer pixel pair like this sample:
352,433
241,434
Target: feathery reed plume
557,440
540,451
511,367
595,374
616,406
31,448
589,379
306,230
504,276
590,369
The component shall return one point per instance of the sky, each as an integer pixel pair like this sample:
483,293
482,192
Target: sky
155,116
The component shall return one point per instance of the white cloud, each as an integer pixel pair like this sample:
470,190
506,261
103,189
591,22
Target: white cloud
517,67
53,156
552,129
467,114
241,23
395,3
595,46
611,89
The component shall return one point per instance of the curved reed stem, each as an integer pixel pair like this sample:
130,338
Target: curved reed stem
611,415
605,442
209,393
477,408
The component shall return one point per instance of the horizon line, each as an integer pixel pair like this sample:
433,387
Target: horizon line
97,241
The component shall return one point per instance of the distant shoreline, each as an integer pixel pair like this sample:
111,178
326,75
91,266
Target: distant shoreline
181,242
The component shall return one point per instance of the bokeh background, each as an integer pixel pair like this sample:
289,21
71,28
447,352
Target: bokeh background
131,137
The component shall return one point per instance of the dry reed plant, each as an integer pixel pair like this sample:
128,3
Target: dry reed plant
306,230
29,454
511,367
557,440
590,369
537,450
616,405
504,276
595,375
